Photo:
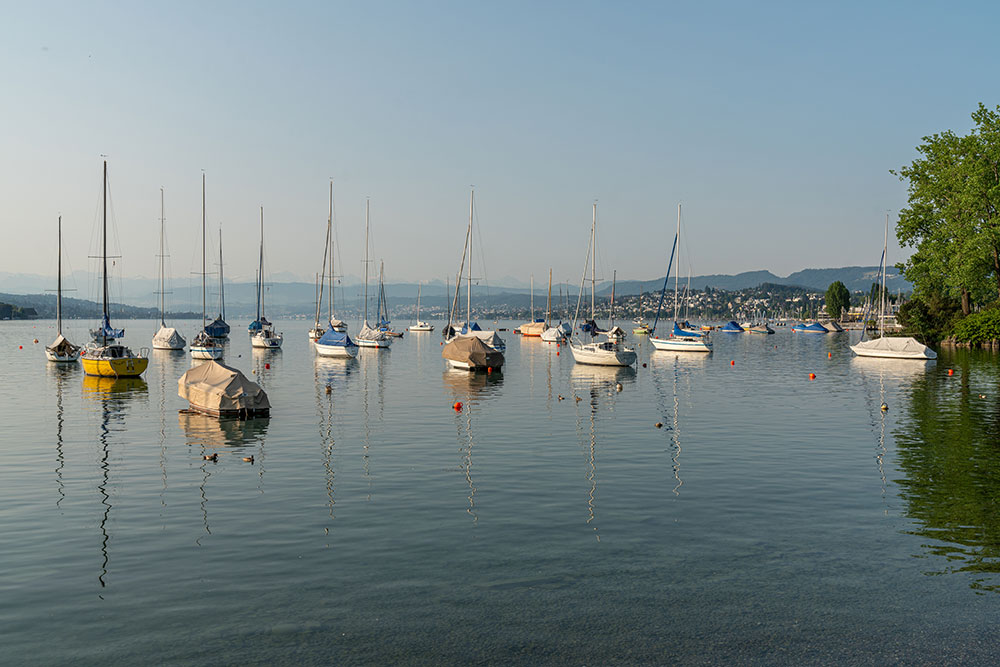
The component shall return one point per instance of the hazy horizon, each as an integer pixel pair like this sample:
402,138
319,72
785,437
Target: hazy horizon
774,125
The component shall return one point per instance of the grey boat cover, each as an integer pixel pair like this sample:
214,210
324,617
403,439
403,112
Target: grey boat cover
472,351
217,388
62,347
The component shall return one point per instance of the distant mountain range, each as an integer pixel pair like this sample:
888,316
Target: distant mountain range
297,298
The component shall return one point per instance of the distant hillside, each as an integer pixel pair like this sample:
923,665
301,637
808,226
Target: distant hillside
856,278
44,306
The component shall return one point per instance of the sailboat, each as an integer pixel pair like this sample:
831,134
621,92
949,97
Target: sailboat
420,326
382,310
471,348
61,350
470,328
553,334
166,338
262,333
641,328
103,357
337,325
890,347
206,345
218,328
533,328
680,339
370,336
334,342
597,353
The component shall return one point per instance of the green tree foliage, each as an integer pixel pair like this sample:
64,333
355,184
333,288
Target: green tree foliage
929,317
953,214
979,328
838,299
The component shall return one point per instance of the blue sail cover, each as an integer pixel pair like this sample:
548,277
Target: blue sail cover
732,327
336,338
815,327
686,329
107,331
256,325
475,327
218,328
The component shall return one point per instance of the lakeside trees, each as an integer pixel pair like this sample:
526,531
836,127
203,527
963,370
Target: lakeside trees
952,217
838,299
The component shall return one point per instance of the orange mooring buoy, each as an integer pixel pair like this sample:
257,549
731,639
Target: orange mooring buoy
812,376
267,366
36,341
829,355
951,371
458,406
732,363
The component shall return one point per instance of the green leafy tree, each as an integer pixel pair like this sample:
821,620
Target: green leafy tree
952,218
838,299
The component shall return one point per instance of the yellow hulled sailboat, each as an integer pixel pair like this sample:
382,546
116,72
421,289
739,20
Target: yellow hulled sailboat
103,357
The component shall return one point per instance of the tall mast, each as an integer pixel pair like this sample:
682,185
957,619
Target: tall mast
329,241
885,262
614,281
204,267
162,322
260,267
59,284
418,302
593,264
222,282
548,303
367,210
468,288
104,326
383,311
677,273
532,279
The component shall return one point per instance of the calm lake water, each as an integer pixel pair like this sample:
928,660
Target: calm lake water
772,519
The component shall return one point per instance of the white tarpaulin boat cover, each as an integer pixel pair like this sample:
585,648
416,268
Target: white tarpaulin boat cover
218,389
489,337
894,347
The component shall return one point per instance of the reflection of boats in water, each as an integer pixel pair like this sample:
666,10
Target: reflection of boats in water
667,359
209,431
114,395
102,387
330,370
470,386
892,369
585,375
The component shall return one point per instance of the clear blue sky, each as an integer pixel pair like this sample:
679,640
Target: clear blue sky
775,124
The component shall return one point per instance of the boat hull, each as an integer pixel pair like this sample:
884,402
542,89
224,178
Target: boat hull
206,352
70,358
681,344
266,342
126,367
362,342
422,326
337,351
595,355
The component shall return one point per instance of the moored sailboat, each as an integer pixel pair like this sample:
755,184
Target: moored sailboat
890,347
61,350
262,333
420,325
104,357
370,336
205,345
679,339
597,353
166,338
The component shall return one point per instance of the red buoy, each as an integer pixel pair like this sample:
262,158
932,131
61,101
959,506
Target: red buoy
458,406
732,363
951,372
812,376
829,355
20,347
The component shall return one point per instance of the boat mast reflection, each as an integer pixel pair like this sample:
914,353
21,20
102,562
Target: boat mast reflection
114,396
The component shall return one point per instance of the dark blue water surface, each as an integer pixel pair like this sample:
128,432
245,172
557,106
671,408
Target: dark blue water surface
770,519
